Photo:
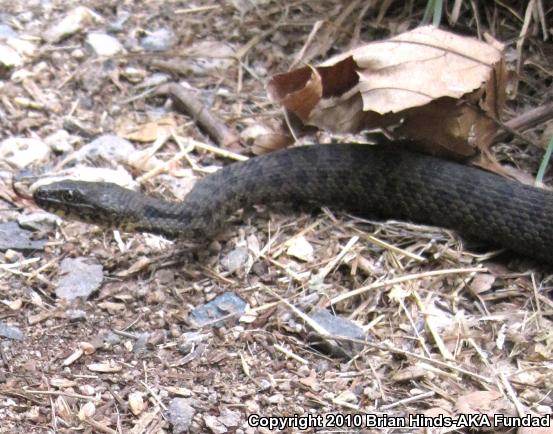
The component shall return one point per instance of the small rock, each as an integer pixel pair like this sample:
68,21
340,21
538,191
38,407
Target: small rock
103,44
80,277
11,332
23,47
214,424
229,418
133,75
75,21
300,249
107,147
235,259
121,18
9,58
25,16
337,326
222,306
141,343
112,338
12,236
180,414
38,221
7,32
155,79
92,79
60,141
21,151
158,40
136,403
75,315
190,340
12,256
277,398
78,54
87,389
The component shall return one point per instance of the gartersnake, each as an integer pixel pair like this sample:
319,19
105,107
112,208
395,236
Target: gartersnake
383,183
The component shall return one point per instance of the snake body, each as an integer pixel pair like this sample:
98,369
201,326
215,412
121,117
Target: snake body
363,179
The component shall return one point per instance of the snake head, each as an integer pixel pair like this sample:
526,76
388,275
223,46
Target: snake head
91,202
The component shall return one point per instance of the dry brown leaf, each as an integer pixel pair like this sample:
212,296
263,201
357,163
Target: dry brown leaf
310,381
485,402
264,138
431,85
482,282
149,131
140,264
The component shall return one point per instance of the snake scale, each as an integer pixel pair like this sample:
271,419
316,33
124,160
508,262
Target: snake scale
362,179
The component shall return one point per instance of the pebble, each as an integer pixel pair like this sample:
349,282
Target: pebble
235,259
229,418
108,147
141,343
112,338
103,44
214,424
60,141
180,414
301,249
118,24
221,306
155,79
21,151
12,236
11,332
7,32
338,326
190,340
9,58
75,21
158,40
79,277
38,221
75,315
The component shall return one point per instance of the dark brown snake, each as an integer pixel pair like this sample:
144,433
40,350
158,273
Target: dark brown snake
362,179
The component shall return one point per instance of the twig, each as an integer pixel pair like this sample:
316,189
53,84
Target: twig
408,400
217,130
290,354
525,121
512,394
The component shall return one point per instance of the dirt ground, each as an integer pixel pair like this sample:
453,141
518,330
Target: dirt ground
450,328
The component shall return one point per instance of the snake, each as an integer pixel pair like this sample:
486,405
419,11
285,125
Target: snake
380,182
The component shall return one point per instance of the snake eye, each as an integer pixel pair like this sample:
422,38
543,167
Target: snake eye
68,196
